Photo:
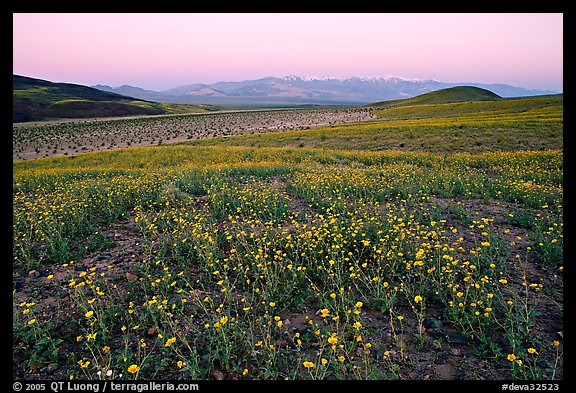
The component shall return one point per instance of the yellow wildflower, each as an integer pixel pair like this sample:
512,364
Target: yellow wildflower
133,369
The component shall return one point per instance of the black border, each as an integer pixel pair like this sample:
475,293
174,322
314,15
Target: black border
348,7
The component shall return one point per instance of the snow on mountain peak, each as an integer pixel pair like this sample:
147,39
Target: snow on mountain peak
321,78
291,78
375,79
392,78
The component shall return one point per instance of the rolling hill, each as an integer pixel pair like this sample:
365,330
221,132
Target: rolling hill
454,119
464,102
37,99
443,96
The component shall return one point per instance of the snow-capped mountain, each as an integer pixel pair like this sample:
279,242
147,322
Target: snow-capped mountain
323,90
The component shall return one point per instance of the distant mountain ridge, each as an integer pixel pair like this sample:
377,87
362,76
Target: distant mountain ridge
37,99
298,90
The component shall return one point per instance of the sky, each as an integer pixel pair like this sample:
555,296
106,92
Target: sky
162,51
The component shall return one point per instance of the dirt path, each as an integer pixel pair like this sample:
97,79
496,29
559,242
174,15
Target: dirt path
72,136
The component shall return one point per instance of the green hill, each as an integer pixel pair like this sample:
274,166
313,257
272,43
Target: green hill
444,96
417,124
37,99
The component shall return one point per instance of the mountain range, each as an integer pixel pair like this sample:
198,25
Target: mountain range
296,90
37,99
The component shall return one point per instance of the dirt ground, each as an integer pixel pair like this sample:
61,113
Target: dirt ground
443,355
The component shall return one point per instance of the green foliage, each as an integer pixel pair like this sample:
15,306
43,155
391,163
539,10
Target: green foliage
35,99
443,96
504,125
299,263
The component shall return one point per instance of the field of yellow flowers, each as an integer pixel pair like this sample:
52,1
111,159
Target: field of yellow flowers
190,262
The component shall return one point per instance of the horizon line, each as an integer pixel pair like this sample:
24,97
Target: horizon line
304,78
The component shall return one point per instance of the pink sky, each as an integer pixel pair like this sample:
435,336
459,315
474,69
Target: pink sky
161,51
